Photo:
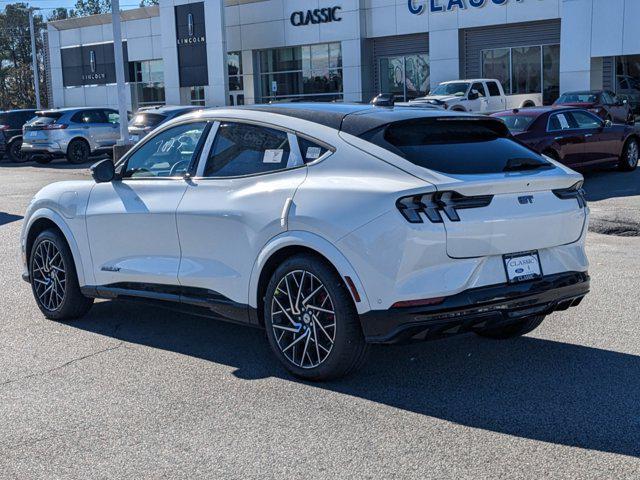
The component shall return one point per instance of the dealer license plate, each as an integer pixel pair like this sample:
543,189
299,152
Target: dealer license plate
522,267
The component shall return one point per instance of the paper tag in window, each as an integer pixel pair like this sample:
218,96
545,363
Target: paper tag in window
313,153
272,156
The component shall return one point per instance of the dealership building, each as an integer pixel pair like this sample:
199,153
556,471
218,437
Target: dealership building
216,52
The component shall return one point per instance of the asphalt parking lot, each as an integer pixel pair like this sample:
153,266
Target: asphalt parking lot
134,392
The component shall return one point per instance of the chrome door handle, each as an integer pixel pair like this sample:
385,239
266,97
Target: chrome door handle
588,135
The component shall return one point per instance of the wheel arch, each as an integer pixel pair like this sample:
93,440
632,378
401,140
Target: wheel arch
81,138
46,219
292,243
528,104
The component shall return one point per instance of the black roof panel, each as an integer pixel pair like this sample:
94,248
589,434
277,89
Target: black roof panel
352,118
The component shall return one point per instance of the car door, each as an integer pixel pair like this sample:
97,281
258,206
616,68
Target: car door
479,104
238,200
600,142
495,99
568,140
131,221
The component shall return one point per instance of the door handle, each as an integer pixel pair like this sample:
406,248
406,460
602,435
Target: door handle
587,135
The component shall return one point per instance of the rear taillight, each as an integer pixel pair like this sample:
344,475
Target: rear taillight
575,192
55,126
432,205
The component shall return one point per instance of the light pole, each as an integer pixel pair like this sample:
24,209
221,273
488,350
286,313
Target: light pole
117,55
34,58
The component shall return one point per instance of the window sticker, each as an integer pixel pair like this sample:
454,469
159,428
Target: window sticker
313,153
563,121
273,156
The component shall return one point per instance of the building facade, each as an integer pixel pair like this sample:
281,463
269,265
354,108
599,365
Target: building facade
216,52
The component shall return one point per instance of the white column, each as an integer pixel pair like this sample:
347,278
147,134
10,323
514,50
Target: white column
119,65
575,49
444,55
169,52
217,93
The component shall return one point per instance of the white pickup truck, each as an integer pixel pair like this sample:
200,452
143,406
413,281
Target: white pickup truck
481,95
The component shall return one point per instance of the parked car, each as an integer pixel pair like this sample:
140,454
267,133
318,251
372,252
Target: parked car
603,103
11,122
480,95
332,226
576,137
148,118
74,133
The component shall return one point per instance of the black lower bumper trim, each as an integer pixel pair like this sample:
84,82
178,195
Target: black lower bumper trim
476,309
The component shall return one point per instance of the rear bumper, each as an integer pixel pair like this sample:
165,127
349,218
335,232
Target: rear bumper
52,148
475,309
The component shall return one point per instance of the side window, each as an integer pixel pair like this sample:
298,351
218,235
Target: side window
585,120
559,122
494,90
89,116
310,151
167,154
243,149
480,88
112,116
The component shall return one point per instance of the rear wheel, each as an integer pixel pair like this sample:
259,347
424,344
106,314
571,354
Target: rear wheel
630,154
311,321
523,327
54,280
78,151
14,152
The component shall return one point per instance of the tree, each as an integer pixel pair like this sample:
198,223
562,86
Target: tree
61,13
148,3
92,7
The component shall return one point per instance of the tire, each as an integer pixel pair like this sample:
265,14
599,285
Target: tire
78,151
54,280
630,155
313,344
519,329
14,152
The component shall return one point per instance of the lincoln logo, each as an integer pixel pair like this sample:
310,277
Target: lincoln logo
94,75
526,200
191,37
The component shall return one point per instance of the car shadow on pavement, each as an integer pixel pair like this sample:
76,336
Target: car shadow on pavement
9,218
603,184
531,388
58,164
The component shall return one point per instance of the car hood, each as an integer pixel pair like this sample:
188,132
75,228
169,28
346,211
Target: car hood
441,98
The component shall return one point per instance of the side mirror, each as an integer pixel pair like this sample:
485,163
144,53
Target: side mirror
104,171
625,101
474,95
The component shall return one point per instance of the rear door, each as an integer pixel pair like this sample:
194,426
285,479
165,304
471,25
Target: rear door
495,196
568,140
496,101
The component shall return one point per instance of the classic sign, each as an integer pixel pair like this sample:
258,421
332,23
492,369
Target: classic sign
417,7
318,15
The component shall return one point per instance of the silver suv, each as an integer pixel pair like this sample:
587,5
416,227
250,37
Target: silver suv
74,133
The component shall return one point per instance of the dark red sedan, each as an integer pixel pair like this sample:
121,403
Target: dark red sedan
603,103
575,137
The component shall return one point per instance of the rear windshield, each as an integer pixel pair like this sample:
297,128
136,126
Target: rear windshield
45,118
516,123
147,119
457,146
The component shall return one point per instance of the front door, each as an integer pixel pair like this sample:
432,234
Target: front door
601,144
232,209
131,222
480,104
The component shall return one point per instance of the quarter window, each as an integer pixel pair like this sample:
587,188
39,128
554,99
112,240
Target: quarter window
167,154
242,149
310,151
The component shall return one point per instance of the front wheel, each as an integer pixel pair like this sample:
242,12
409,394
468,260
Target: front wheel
54,280
311,321
527,325
629,158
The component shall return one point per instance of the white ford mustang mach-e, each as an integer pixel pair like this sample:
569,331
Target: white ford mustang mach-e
332,226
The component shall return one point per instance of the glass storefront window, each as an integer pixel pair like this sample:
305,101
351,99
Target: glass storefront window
147,87
526,69
530,69
234,68
406,77
627,84
197,95
310,72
